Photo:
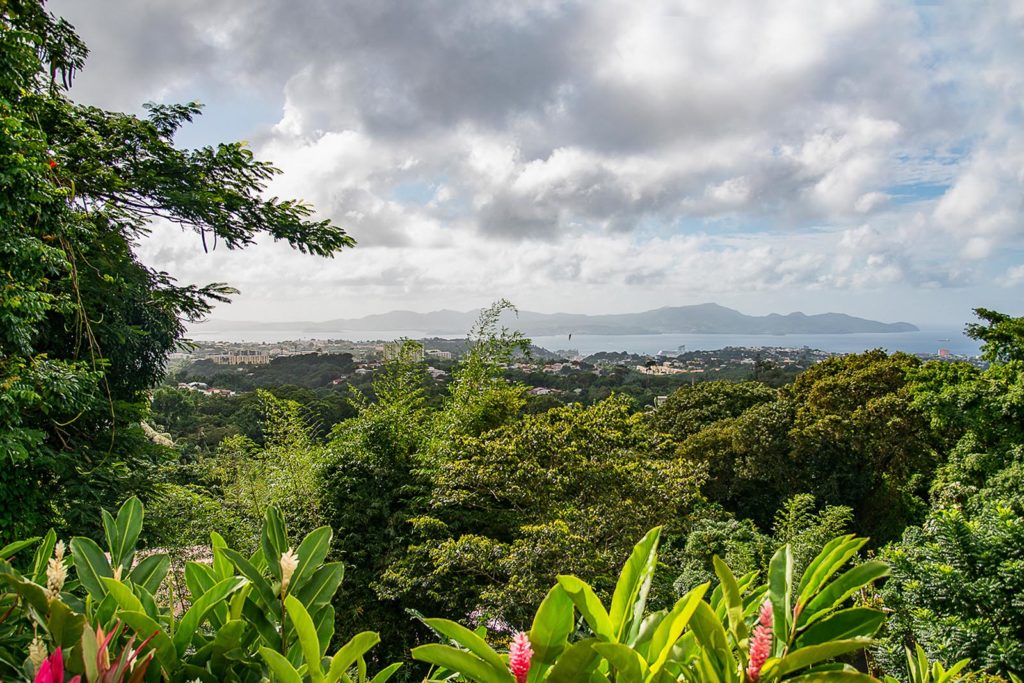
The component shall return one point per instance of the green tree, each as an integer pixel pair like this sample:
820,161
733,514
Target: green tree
692,408
559,491
372,485
957,579
85,327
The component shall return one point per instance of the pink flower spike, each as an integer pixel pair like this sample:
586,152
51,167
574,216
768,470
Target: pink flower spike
760,642
52,670
519,656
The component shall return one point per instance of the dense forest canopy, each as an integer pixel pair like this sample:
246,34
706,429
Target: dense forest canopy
741,531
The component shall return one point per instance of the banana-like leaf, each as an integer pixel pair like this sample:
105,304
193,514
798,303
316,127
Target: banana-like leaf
346,656
273,540
815,654
44,551
126,599
733,599
129,526
815,573
263,590
672,626
468,640
577,663
628,665
320,588
221,564
312,552
470,666
843,587
854,622
91,566
199,609
65,627
630,598
589,605
386,673
145,627
780,592
282,669
150,572
12,549
552,626
833,677
309,643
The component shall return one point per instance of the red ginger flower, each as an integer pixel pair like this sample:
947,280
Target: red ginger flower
761,642
52,670
519,656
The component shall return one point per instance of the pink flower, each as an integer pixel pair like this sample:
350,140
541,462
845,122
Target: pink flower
52,670
519,656
760,642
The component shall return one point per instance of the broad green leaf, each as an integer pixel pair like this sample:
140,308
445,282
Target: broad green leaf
833,677
257,617
813,654
732,597
552,625
312,552
629,665
263,590
197,612
126,600
855,622
828,566
65,627
199,578
319,589
282,669
324,623
468,665
355,648
714,641
150,572
812,569
630,598
386,673
672,626
12,549
42,556
576,663
91,566
308,641
468,640
843,587
90,647
589,605
780,587
273,540
129,526
145,626
221,564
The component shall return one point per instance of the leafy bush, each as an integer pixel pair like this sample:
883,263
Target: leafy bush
790,629
242,618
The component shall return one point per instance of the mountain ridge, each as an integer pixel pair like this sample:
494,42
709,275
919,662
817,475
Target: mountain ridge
708,318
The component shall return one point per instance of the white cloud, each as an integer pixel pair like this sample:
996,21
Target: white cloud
604,149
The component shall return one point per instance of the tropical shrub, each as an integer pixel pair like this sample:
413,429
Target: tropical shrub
242,618
793,628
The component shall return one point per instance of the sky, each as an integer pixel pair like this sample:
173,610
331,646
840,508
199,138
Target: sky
599,156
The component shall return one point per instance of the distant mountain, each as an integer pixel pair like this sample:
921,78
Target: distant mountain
699,319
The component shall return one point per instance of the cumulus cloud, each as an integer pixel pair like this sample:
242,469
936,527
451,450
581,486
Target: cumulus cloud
606,145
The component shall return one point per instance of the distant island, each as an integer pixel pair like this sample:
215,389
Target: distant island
697,319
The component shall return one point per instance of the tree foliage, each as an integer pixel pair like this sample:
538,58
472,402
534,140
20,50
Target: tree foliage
85,327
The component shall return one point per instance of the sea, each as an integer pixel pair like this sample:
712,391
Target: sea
927,340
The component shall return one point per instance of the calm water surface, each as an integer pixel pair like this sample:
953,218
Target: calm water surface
926,340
